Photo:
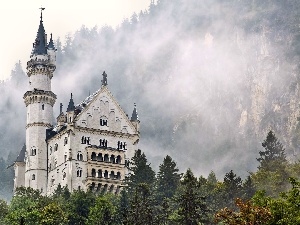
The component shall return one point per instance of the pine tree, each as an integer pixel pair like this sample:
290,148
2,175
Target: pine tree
274,152
140,171
192,207
167,179
232,188
141,206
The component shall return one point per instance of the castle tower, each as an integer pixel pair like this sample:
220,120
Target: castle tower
39,101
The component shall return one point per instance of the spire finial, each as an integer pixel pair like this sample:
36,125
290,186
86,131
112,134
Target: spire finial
42,13
60,108
104,81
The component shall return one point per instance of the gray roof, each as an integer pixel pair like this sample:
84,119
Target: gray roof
51,44
21,156
134,116
40,46
71,106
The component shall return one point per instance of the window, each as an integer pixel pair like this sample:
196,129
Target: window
85,140
64,175
103,143
50,150
55,147
66,141
33,151
33,176
103,122
79,157
122,145
65,158
79,173
43,107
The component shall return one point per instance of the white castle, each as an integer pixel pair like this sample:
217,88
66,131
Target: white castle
88,146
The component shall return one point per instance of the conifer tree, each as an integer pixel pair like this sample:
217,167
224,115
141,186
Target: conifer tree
192,207
140,171
167,179
274,151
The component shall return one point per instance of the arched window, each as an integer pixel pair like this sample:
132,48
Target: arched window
118,161
99,157
98,187
64,175
93,157
50,150
33,177
106,158
112,175
118,176
79,173
112,159
93,172
106,174
100,173
79,157
43,107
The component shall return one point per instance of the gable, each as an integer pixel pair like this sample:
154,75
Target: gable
101,111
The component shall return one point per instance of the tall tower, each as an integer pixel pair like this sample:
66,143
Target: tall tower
39,100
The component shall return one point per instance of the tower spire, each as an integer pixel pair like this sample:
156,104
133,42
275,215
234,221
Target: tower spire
40,46
71,105
134,116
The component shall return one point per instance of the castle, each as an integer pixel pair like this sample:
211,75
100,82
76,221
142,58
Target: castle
88,146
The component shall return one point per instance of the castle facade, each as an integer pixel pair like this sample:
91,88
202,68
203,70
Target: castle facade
88,145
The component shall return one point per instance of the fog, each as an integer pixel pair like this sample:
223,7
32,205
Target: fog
209,79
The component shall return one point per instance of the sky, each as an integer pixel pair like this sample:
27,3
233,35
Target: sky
19,22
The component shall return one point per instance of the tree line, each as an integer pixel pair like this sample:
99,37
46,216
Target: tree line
271,195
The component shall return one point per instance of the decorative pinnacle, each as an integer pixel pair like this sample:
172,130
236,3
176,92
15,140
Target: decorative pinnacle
104,81
41,13
60,108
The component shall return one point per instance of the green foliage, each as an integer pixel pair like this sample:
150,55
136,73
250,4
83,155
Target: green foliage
274,151
3,210
192,207
141,206
103,212
26,206
167,179
285,209
141,172
79,205
53,214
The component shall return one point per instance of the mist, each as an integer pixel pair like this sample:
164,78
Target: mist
209,78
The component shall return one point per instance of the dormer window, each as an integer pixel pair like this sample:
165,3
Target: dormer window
103,122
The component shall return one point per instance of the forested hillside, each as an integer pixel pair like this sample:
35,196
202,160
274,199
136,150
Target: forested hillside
210,79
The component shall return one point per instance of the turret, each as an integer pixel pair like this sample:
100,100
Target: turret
135,118
70,110
39,101
61,119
